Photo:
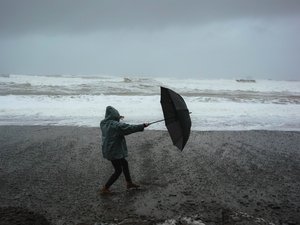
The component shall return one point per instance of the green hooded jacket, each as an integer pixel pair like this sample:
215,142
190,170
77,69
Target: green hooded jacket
113,134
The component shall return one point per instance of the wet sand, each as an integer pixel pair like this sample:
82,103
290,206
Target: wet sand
238,177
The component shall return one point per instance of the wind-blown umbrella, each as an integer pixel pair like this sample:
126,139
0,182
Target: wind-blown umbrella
177,117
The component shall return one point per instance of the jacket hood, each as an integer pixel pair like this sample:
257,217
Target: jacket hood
112,114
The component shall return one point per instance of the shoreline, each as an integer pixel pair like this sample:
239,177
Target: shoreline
56,171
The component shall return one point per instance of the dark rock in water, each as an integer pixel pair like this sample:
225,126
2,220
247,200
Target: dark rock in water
17,215
246,81
127,80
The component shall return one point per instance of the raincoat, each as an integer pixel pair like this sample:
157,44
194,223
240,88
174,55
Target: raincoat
113,134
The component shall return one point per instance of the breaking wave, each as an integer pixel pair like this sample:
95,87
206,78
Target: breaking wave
261,91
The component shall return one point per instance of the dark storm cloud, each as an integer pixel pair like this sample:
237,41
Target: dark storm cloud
64,16
211,38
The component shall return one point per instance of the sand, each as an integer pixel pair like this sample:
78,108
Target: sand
221,177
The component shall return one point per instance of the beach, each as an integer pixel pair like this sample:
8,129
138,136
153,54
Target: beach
221,177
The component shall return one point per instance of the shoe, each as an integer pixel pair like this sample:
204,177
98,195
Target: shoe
104,191
132,185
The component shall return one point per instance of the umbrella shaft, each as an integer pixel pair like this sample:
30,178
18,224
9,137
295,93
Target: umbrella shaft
156,121
162,120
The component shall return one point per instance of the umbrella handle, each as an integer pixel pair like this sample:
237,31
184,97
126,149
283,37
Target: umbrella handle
160,120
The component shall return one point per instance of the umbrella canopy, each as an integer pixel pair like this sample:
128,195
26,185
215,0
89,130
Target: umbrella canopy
177,117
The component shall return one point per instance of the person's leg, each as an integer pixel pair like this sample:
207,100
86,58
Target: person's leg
127,174
118,170
125,168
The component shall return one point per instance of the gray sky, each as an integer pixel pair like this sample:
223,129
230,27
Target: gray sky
192,38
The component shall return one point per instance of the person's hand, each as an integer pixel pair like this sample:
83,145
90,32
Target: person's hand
146,124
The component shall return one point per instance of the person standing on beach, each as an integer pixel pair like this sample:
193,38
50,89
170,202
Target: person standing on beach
114,146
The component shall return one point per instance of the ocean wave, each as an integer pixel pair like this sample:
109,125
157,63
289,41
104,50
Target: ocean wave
148,90
5,75
277,92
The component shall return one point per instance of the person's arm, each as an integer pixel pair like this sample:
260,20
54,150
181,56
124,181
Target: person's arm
126,129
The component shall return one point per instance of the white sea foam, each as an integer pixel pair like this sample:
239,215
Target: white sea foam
215,104
89,110
183,220
177,221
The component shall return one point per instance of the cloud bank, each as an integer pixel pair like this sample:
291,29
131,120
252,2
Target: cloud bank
218,39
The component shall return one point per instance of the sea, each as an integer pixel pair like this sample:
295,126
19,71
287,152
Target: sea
215,104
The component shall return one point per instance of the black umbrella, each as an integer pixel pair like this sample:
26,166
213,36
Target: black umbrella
177,117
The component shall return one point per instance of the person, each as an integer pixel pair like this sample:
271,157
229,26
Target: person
114,146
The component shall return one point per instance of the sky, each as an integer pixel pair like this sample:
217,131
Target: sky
257,39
